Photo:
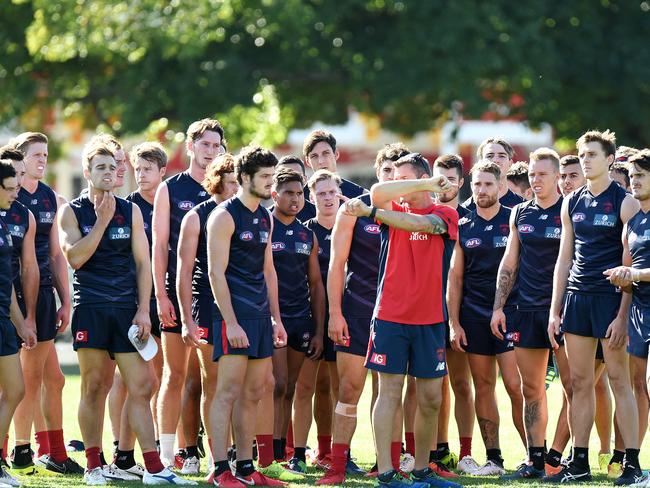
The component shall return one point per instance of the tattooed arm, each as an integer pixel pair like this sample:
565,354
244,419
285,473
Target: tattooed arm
505,279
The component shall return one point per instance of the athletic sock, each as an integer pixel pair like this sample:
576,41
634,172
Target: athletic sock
465,447
299,453
433,456
580,457
632,457
124,459
23,455
102,459
554,458
57,445
264,450
494,455
340,453
167,446
152,462
92,458
617,457
395,453
442,450
221,467
536,456
245,467
284,447
192,451
116,445
409,438
158,445
42,443
324,445
278,452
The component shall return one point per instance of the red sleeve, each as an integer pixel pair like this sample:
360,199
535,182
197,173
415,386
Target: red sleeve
397,207
450,217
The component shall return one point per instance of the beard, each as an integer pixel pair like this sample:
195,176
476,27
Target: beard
447,196
263,193
486,202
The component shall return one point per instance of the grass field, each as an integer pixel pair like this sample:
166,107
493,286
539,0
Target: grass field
362,445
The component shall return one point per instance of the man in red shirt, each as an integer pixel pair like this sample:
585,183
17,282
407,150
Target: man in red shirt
408,333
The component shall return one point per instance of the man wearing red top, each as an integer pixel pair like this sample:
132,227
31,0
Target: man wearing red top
408,334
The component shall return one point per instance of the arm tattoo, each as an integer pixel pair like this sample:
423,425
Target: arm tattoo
531,418
489,432
505,282
436,225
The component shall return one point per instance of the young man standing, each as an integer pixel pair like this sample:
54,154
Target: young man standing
101,235
244,284
408,334
517,178
594,311
174,198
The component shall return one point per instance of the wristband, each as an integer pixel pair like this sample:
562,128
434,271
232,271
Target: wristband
635,275
373,212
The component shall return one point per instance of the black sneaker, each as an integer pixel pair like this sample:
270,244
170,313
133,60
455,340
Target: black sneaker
69,466
631,474
570,474
524,471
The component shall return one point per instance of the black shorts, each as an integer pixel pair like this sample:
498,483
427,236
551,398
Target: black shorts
178,328
638,329
46,329
8,341
480,339
589,315
532,327
153,317
102,328
203,309
260,339
299,332
359,330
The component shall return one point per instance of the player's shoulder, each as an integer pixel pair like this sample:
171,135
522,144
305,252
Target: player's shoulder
467,219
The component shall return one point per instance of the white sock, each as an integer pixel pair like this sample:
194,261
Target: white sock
167,447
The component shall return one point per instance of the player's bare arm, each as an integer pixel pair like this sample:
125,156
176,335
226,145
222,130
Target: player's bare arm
220,228
506,278
454,297
60,273
339,252
382,194
317,302
29,273
160,256
271,278
623,276
140,250
188,240
429,224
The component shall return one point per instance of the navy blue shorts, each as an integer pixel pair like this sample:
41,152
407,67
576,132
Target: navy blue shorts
357,344
299,332
178,329
203,309
532,327
638,329
153,317
480,339
260,339
105,328
589,315
599,352
46,329
418,350
8,341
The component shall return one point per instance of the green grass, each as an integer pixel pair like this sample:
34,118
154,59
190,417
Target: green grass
362,444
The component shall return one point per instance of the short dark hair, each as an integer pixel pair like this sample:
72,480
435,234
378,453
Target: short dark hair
641,159
26,139
606,139
450,161
315,137
391,152
213,180
153,152
291,159
487,167
198,128
8,152
518,175
250,159
6,170
495,140
92,149
621,168
568,160
418,162
286,175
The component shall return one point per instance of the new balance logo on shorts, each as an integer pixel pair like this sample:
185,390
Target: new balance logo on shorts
379,359
441,366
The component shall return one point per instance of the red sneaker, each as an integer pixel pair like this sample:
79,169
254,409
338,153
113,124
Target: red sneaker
226,480
442,471
258,479
179,460
332,477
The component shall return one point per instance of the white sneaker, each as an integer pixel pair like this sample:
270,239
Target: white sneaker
165,477
112,472
137,469
191,465
407,464
42,461
94,477
490,468
6,479
467,465
642,483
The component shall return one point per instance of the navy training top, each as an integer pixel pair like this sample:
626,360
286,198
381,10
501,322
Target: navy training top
6,249
509,199
17,221
638,238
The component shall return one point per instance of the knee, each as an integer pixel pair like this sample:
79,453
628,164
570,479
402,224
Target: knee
93,388
192,386
532,391
582,384
54,380
461,388
639,384
349,392
280,387
429,401
173,379
14,395
484,387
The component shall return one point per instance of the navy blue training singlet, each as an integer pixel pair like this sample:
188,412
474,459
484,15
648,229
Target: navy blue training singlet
324,237
509,199
6,249
17,222
638,238
200,279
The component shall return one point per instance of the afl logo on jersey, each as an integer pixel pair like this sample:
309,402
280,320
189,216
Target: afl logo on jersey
277,246
473,242
578,217
185,205
247,235
372,229
526,228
